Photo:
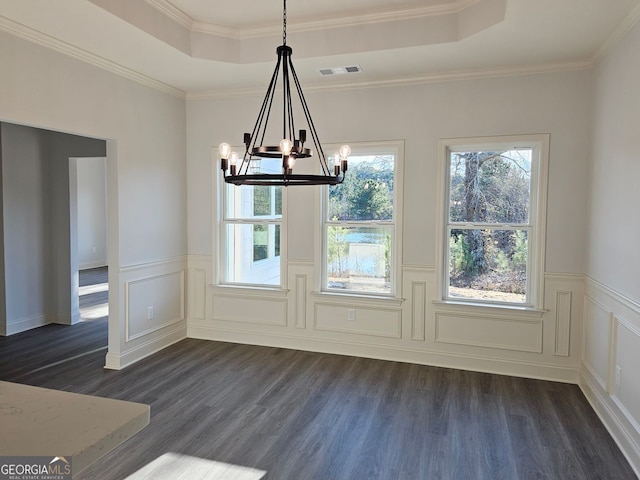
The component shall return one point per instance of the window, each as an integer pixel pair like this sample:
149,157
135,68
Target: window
360,223
251,226
492,247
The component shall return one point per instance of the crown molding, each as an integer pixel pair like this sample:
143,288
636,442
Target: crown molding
167,8
442,77
31,35
617,35
173,12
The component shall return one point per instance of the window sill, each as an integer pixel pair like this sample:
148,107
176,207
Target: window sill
477,307
249,290
352,298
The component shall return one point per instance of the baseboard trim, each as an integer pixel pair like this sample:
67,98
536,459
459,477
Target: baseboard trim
391,353
118,361
25,324
614,421
65,318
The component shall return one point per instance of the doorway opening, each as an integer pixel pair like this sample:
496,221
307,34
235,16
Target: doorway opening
39,256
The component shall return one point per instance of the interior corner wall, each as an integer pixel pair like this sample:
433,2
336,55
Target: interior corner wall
146,145
612,291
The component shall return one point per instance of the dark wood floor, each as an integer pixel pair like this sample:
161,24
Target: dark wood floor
301,415
42,348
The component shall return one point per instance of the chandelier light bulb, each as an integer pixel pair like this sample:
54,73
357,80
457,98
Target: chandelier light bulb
234,158
285,146
345,151
225,150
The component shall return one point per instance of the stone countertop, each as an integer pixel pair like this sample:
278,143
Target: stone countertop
38,421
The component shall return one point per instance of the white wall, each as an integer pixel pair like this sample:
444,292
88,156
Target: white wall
145,132
415,329
92,212
612,301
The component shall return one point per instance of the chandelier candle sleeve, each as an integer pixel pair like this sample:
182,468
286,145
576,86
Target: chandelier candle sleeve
290,149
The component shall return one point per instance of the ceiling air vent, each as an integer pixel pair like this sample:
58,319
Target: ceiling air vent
340,70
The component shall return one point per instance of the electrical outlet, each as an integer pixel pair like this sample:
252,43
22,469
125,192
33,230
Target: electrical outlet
150,313
618,376
351,315
95,249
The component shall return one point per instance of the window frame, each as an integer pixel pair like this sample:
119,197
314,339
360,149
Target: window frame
395,147
536,226
223,221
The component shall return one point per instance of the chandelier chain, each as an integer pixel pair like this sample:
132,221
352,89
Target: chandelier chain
284,23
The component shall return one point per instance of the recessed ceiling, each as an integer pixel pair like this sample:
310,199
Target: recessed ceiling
228,47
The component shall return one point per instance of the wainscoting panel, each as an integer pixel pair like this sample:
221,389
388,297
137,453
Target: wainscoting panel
418,309
489,332
563,323
301,301
627,363
377,322
609,377
597,328
153,303
143,330
411,327
242,309
198,282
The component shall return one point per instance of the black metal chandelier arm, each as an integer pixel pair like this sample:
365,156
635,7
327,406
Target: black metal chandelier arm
289,100
314,134
267,103
286,91
260,121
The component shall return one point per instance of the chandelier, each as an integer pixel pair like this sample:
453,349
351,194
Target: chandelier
291,148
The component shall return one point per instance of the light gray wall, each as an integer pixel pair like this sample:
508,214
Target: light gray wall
40,271
555,103
614,221
26,212
92,212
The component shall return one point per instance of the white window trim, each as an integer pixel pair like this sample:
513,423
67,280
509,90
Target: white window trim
218,233
537,213
363,148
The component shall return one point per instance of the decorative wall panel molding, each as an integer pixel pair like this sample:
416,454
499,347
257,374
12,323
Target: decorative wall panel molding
259,310
301,301
598,322
524,336
563,323
418,309
198,293
160,297
611,355
362,321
